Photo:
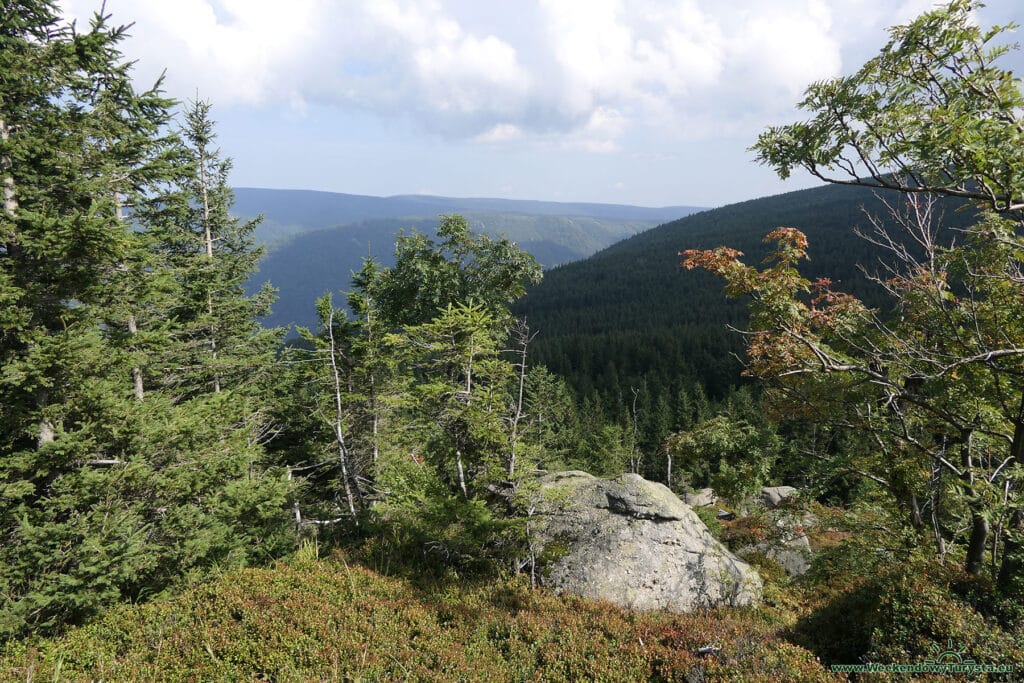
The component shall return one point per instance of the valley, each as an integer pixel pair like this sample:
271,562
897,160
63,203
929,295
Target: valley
316,240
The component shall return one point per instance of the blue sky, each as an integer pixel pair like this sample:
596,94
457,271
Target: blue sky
650,102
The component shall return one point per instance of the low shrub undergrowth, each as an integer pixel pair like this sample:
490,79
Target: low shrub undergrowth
329,619
866,605
341,618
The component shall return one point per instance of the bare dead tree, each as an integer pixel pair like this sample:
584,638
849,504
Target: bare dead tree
521,336
337,424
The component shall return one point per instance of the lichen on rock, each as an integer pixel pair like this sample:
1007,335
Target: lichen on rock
635,543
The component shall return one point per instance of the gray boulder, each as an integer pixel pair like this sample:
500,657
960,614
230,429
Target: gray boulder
793,555
701,498
788,545
774,496
633,542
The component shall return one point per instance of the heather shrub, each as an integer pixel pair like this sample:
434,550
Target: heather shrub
332,619
865,604
745,531
920,613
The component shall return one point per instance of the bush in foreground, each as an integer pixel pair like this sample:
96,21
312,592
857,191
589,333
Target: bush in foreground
328,620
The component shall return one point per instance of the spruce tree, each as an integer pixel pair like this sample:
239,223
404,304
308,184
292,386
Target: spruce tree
121,466
77,142
213,254
221,502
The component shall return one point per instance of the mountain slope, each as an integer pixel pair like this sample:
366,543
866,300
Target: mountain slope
629,317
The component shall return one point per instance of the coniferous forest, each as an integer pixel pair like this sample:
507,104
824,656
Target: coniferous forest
188,494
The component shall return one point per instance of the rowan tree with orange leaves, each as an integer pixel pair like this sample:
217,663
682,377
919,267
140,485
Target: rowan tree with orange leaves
934,385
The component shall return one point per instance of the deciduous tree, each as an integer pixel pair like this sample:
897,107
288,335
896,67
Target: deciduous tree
461,267
937,386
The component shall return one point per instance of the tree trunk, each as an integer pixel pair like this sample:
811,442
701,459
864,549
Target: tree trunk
374,402
376,434
339,434
462,474
213,343
208,238
975,560
46,433
296,510
133,326
10,198
936,496
634,452
469,398
525,338
140,389
916,520
1012,567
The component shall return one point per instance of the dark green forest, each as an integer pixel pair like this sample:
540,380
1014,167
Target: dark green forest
187,493
631,318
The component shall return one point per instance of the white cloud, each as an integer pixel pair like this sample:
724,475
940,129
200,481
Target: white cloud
691,67
583,72
389,56
503,132
784,50
608,52
235,51
600,133
459,73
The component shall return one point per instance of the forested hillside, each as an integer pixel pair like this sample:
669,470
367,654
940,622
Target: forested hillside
630,317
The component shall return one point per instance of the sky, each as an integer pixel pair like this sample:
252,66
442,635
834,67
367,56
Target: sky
648,102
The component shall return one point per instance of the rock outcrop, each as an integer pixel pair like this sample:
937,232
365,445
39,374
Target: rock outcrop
633,542
788,545
774,496
701,498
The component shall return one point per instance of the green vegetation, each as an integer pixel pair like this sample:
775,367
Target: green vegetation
933,381
333,620
940,378
156,442
132,365
629,318
327,257
413,397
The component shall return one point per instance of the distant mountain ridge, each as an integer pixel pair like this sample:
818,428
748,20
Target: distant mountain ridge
290,212
317,239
